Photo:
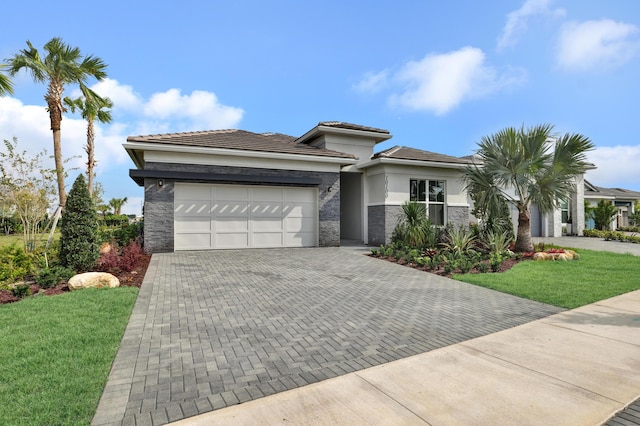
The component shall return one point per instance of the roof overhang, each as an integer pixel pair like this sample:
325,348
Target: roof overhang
415,163
377,137
140,175
136,152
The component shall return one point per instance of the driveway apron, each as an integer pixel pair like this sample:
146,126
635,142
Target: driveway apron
217,328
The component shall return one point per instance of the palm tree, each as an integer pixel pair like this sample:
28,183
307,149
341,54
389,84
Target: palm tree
524,167
62,65
6,86
116,204
92,107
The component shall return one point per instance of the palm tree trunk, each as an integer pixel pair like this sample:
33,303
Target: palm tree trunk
523,240
54,102
90,160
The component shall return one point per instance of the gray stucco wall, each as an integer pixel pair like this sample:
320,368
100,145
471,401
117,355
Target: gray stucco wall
158,206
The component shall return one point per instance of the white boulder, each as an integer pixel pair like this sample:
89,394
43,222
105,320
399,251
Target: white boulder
93,280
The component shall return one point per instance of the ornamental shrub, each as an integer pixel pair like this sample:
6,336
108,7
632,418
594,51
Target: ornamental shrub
79,247
15,265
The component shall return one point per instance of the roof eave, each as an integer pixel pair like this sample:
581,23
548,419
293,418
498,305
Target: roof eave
320,129
134,149
406,162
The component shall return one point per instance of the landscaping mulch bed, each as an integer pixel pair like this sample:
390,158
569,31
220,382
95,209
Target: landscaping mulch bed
129,279
505,266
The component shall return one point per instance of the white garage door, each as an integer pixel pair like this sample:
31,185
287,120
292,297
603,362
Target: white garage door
235,216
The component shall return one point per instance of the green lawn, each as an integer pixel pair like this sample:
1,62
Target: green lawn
595,276
56,353
17,239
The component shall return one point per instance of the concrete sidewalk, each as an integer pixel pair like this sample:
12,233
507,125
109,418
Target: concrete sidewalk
577,367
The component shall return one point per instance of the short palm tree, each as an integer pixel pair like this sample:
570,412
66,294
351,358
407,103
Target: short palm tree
62,65
92,107
524,167
116,204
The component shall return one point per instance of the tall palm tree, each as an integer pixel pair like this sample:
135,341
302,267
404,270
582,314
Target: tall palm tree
6,86
524,167
62,65
116,204
92,107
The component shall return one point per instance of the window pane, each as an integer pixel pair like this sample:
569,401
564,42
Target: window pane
436,214
422,194
413,190
436,191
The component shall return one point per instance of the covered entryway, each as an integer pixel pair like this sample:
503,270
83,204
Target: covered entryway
237,216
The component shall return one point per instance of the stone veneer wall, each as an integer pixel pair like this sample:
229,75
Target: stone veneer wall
458,216
158,205
382,221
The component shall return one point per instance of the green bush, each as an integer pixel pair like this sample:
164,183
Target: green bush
21,290
115,220
15,264
51,277
79,247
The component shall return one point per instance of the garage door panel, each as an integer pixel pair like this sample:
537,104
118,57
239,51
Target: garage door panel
233,209
300,194
193,224
192,207
267,194
267,210
232,240
267,239
266,224
300,239
236,216
192,192
298,224
192,241
231,193
300,210
231,224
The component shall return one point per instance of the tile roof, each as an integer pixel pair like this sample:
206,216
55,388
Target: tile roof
619,193
350,126
240,140
406,153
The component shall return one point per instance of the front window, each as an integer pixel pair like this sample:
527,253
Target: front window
432,194
564,208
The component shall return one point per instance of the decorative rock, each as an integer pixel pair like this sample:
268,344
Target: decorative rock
93,280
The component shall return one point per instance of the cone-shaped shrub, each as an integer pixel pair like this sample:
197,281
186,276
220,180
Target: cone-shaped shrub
79,247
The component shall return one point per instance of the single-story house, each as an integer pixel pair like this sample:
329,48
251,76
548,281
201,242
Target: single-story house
230,189
623,199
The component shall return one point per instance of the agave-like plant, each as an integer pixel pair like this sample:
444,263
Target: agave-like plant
459,241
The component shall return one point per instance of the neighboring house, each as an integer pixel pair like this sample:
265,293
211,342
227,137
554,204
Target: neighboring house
225,189
623,199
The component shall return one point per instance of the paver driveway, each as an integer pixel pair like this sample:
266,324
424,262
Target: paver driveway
217,328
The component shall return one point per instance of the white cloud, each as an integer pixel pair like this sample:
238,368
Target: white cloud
373,82
617,166
122,95
517,21
596,45
440,82
201,110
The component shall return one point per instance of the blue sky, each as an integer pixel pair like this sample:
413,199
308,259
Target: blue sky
438,75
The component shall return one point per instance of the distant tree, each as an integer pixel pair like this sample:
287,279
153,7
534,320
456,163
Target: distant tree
62,65
26,188
79,245
92,107
603,214
6,86
116,204
539,167
103,209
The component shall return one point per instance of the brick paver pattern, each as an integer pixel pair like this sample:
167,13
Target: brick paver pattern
217,328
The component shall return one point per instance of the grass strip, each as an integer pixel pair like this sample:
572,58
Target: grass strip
57,352
597,275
